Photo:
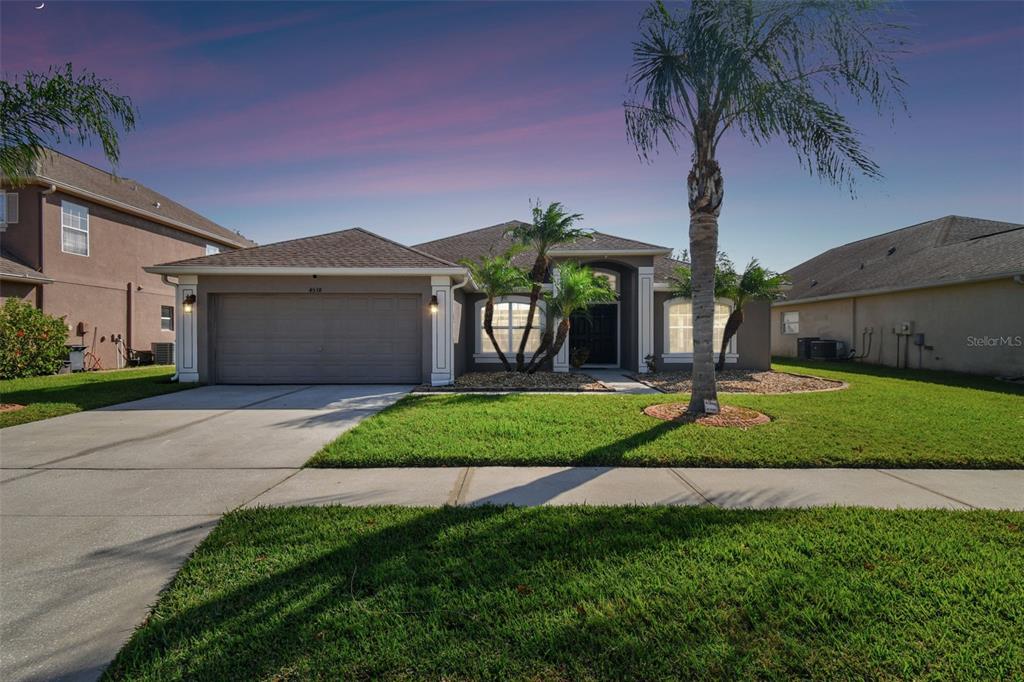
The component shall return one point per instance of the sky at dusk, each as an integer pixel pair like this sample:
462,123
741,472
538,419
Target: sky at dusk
418,121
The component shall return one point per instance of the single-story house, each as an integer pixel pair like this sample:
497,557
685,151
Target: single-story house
355,307
945,294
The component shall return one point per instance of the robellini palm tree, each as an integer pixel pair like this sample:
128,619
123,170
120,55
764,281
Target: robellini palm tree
495,276
551,226
44,109
765,70
578,289
755,283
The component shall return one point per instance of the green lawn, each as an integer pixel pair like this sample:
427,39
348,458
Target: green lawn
53,396
885,418
592,593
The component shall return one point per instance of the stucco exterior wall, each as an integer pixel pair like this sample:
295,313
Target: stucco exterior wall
976,328
213,285
21,240
753,340
23,291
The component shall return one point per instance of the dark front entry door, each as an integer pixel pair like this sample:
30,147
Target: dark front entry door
598,331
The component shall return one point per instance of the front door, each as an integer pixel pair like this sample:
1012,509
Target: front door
596,330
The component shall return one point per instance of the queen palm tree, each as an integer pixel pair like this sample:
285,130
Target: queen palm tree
755,284
495,276
551,226
578,288
765,70
44,109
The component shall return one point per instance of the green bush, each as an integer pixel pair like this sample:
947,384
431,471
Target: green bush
31,342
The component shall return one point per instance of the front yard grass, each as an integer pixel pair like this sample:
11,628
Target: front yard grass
556,593
52,396
886,418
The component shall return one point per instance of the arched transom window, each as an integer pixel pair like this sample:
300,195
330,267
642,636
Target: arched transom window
679,326
509,324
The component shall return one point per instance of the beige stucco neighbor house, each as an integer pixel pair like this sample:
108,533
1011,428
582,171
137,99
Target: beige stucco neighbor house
944,294
355,307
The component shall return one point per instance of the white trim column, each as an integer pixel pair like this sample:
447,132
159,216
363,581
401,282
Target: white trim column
645,316
186,357
560,363
442,355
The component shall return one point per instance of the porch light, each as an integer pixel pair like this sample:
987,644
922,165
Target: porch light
433,304
188,302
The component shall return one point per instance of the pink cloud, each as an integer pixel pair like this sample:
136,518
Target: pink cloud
962,42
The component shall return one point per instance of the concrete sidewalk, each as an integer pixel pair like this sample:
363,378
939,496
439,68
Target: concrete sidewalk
728,488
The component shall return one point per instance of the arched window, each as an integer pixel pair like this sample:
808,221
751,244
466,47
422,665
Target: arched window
611,276
509,324
679,327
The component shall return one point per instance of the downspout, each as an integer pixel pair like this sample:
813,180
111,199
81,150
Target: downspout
42,237
166,280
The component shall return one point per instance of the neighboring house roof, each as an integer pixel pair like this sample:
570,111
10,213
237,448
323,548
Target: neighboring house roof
494,240
352,249
11,269
943,251
77,177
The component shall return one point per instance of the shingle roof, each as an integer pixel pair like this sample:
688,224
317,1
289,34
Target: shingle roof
352,248
61,168
945,250
13,269
494,240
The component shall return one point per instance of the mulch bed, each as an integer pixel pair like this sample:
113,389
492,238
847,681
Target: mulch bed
11,407
484,382
743,381
729,416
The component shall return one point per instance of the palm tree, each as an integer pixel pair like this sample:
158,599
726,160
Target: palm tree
755,284
551,226
726,279
578,288
495,276
766,70
45,109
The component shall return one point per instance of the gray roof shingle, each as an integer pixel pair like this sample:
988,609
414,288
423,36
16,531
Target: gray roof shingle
13,269
945,250
64,169
352,248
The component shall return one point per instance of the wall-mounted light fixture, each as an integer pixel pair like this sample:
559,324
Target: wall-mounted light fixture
188,302
433,304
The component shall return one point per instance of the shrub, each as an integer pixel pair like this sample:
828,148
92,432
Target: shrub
31,342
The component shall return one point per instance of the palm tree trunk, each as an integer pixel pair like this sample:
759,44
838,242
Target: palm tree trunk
539,354
563,334
704,185
534,297
489,330
732,325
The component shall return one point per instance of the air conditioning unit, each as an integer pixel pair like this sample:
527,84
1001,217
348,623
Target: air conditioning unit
163,353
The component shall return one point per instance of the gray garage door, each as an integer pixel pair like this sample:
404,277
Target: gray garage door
322,338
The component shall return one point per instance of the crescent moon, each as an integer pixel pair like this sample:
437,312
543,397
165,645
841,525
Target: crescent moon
41,5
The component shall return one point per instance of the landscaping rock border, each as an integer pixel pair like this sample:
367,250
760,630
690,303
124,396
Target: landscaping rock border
505,382
745,381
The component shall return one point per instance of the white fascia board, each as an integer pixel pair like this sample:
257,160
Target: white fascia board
894,290
12,277
134,210
284,271
609,253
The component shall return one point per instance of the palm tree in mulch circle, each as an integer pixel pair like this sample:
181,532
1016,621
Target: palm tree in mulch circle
766,70
495,276
578,289
551,226
756,283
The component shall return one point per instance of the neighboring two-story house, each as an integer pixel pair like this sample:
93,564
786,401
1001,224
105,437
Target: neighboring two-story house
75,245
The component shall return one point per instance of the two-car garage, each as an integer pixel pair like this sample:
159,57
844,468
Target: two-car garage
316,338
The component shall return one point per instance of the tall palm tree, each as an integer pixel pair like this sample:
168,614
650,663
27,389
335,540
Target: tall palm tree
44,109
755,284
767,70
578,288
495,276
551,226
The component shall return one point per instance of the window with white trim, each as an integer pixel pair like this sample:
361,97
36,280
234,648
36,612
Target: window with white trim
679,326
167,318
509,323
610,276
74,229
791,322
212,249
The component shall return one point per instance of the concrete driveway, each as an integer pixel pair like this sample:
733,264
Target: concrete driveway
99,509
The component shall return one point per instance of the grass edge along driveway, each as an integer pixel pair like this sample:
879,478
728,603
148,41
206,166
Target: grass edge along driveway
53,396
591,593
886,418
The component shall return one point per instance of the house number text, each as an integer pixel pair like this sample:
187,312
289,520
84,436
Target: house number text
315,290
